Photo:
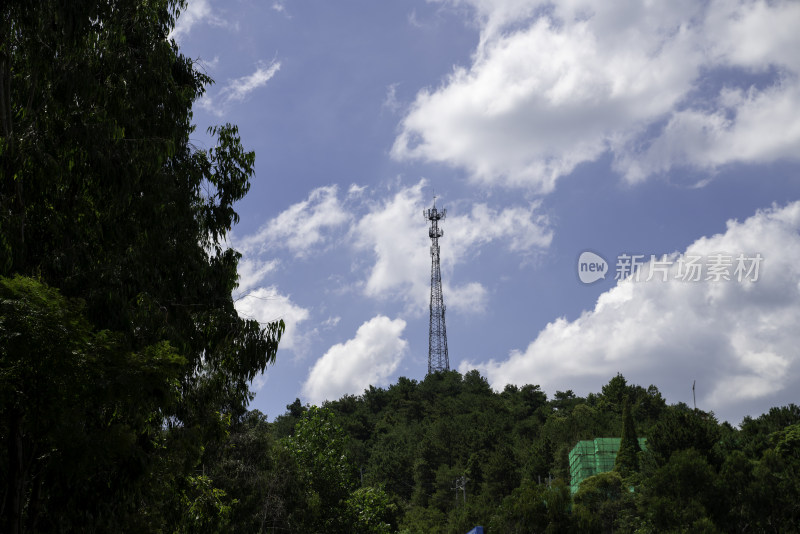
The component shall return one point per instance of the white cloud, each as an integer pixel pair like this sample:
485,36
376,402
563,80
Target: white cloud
755,34
412,19
356,190
259,382
267,305
207,65
395,231
745,127
390,101
522,227
553,85
393,234
252,272
737,339
279,6
369,358
238,89
302,227
471,297
331,322
196,12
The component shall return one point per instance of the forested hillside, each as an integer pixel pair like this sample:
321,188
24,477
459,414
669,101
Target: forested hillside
393,459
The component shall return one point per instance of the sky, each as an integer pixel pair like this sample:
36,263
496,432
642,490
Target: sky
663,138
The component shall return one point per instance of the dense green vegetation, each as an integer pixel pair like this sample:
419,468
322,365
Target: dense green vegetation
408,445
122,356
124,367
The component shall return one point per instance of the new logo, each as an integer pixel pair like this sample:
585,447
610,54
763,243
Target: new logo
591,267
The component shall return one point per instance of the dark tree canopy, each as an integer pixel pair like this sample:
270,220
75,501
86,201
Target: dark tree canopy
627,461
452,454
104,197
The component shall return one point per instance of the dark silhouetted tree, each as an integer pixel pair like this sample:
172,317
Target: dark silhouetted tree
627,461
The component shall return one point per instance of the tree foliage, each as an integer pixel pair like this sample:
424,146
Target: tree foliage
601,502
421,441
75,403
116,221
627,461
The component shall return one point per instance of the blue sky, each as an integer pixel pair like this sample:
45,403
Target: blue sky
545,129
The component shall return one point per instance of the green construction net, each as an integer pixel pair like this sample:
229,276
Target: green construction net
593,456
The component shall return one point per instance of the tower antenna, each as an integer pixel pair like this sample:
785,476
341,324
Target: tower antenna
438,359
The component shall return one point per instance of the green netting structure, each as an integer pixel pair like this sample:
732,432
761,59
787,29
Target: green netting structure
593,456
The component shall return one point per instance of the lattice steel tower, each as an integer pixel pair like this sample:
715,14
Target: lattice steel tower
437,333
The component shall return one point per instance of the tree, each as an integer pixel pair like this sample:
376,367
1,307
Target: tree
533,398
680,428
776,488
258,475
104,197
615,393
370,511
501,472
627,461
600,501
534,508
756,433
205,507
476,384
319,449
564,401
738,484
540,464
681,495
74,404
391,461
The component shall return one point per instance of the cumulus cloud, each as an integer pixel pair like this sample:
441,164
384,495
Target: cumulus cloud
523,228
471,297
745,127
302,228
267,305
392,245
238,89
738,339
369,358
553,85
754,34
393,230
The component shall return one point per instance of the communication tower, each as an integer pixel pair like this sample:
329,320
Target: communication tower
437,332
